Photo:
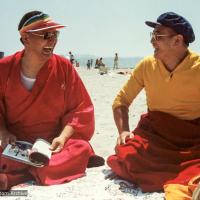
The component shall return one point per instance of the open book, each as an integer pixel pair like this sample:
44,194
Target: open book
37,154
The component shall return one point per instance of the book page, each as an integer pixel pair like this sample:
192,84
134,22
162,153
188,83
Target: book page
20,152
40,151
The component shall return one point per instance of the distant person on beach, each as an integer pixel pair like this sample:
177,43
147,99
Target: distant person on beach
116,60
1,54
101,62
88,64
163,151
91,63
42,96
97,63
102,67
77,63
71,57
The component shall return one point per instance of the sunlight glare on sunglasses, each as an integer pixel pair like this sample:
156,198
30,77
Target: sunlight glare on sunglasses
48,35
155,36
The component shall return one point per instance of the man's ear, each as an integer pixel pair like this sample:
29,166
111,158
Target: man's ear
179,39
25,38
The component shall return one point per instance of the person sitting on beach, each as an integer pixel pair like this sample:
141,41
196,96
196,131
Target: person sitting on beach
162,152
102,67
101,62
42,96
77,63
96,64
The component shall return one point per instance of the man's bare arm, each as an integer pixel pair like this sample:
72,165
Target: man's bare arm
121,118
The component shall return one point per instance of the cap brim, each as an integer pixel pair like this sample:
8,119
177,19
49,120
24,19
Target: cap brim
152,24
47,26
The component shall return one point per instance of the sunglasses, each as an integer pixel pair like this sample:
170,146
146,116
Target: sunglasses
48,35
157,37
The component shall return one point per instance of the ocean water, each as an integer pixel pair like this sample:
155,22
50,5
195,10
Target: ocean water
124,62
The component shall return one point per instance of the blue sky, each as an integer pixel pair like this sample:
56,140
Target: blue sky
97,27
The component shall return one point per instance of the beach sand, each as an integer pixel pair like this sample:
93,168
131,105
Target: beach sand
95,185
103,89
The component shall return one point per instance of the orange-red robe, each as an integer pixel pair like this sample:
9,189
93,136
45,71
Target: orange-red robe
165,150
58,98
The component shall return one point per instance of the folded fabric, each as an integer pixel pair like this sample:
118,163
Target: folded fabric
164,150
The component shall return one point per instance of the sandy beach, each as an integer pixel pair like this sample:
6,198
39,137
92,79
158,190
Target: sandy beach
95,185
102,90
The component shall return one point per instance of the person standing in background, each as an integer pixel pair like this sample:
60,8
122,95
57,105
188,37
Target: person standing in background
88,65
1,54
91,63
71,57
116,61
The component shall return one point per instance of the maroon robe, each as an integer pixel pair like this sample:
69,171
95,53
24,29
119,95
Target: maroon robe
58,98
164,150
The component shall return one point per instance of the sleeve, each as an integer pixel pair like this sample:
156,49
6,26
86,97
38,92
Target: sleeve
6,64
79,110
131,88
2,104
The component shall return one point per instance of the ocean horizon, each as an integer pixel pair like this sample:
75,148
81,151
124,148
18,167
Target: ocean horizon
124,62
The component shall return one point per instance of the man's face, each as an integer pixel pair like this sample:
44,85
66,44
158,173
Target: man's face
42,43
162,40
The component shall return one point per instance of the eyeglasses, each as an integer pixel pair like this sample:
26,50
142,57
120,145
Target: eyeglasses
48,35
157,37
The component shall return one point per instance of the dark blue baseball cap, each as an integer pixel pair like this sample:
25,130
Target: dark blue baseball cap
176,22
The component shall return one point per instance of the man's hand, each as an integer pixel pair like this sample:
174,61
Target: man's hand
122,137
57,144
6,138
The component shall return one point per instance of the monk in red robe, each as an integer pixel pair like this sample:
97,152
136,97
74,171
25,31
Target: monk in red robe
42,96
163,152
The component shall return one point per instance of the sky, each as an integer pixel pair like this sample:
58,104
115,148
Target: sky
97,27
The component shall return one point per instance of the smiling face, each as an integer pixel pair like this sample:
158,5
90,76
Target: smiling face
163,40
40,43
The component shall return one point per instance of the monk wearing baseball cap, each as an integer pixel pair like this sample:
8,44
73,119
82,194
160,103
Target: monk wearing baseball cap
162,153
